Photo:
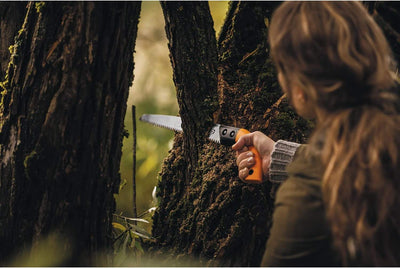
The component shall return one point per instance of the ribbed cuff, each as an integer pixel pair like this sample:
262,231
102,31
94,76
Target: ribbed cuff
281,157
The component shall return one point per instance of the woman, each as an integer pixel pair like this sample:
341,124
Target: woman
341,202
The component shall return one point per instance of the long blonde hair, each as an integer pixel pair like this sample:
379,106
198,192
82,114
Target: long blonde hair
339,56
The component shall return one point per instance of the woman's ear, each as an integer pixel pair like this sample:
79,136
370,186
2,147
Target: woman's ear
302,103
299,94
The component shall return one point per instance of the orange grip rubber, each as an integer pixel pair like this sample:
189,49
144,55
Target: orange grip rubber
255,173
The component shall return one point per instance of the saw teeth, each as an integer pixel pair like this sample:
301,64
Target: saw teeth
214,140
174,123
164,121
162,126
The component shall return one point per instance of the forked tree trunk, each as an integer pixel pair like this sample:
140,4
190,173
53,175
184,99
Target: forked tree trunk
62,123
193,51
214,216
205,211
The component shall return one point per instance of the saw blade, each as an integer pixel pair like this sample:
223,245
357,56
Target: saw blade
225,135
214,134
165,121
175,123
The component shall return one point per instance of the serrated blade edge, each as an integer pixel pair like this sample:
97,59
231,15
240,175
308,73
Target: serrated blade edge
214,134
175,123
164,121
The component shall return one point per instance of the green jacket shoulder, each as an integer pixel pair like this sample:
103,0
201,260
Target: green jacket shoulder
300,234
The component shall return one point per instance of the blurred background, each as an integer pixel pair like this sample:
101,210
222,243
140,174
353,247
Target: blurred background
153,91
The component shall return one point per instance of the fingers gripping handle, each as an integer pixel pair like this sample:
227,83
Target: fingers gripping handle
230,135
255,173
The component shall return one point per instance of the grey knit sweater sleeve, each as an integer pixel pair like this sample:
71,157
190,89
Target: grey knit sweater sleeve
281,156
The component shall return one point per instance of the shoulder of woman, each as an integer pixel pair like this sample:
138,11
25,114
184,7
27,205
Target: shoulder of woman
303,184
306,165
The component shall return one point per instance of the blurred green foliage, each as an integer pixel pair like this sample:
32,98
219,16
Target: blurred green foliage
128,234
153,91
51,250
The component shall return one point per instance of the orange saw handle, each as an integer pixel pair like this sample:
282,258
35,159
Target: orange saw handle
255,173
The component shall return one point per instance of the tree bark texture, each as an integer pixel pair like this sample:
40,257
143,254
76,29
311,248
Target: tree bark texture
12,16
61,123
216,217
205,211
192,45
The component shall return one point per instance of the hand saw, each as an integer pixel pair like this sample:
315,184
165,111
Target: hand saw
225,135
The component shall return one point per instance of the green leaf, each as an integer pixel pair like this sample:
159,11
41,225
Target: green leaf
122,185
119,226
142,234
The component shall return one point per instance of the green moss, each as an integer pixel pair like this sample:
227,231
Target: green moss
3,89
11,49
5,84
3,93
226,55
210,103
39,6
284,123
28,162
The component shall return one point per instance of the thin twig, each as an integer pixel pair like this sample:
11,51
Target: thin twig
131,219
134,161
120,235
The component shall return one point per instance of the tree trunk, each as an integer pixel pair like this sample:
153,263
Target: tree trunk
193,56
216,217
12,16
61,125
205,211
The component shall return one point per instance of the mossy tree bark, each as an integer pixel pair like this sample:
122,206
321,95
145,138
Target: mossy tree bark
12,16
61,125
205,211
208,212
193,57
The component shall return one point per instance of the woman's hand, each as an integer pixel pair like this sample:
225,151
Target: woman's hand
244,158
